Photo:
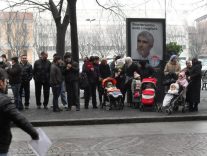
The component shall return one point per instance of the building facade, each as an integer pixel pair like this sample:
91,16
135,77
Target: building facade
16,34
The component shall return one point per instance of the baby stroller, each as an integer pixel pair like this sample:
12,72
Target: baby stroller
148,91
172,102
112,96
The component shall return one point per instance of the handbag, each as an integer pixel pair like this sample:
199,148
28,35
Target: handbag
83,80
169,79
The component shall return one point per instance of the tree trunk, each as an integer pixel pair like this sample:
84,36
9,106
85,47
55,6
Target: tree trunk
73,29
60,43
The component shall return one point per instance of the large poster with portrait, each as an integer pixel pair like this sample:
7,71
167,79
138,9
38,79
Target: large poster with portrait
146,40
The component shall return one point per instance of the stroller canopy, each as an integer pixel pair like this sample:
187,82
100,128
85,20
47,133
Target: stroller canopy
108,79
150,80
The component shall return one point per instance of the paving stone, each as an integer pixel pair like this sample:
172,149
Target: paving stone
139,145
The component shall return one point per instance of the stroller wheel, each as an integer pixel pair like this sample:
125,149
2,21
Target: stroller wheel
141,108
168,111
183,110
175,108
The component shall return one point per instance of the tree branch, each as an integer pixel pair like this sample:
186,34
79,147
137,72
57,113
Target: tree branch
13,4
112,8
61,6
66,19
55,12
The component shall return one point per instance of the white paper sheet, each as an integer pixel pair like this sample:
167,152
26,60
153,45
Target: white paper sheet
41,146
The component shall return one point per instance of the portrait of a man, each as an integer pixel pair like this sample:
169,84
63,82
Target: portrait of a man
145,42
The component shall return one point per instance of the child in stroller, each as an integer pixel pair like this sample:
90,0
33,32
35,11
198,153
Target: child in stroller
148,90
136,89
174,89
112,95
175,96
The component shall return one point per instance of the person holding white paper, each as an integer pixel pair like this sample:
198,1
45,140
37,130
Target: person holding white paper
8,114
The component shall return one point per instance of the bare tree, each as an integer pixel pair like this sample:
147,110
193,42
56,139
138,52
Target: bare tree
44,34
57,10
84,46
197,40
176,33
17,33
117,37
100,45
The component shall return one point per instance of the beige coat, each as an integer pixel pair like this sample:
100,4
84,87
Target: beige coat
169,67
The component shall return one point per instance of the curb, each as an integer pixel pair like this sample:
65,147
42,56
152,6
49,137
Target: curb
124,120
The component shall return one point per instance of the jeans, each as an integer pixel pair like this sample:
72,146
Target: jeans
56,93
15,89
62,94
3,154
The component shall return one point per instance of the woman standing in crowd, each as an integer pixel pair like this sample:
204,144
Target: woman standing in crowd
129,69
171,71
105,72
93,75
194,87
172,66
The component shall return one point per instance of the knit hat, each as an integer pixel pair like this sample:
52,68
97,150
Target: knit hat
173,57
176,86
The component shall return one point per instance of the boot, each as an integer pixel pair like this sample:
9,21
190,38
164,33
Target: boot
195,108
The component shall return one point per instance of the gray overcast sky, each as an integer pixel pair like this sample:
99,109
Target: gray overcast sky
176,10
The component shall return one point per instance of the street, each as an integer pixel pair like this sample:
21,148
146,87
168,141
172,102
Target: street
142,139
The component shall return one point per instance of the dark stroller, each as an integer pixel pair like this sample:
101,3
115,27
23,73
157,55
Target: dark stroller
177,100
112,95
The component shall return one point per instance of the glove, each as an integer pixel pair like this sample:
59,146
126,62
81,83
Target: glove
35,137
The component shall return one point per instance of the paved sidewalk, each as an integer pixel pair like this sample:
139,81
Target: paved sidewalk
42,117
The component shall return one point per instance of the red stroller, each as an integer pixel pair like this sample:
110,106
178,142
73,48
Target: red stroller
148,91
112,95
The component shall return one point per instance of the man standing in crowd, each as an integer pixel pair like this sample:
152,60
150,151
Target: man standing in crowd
15,76
26,78
62,92
41,73
71,81
56,79
4,64
5,60
8,113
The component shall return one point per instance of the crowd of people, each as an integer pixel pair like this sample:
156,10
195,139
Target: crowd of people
63,76
188,78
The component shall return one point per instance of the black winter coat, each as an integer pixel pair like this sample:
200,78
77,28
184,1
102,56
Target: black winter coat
194,87
26,72
129,71
72,74
15,74
146,71
8,113
104,71
93,76
41,71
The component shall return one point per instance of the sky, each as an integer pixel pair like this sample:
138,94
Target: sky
177,12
